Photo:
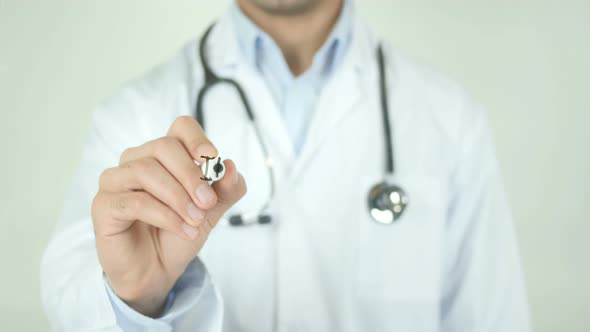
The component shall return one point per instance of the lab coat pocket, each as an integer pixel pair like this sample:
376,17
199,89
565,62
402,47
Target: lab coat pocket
401,261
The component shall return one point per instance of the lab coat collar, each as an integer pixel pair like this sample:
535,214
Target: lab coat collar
222,47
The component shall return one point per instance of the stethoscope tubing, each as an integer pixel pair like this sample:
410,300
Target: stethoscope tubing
211,79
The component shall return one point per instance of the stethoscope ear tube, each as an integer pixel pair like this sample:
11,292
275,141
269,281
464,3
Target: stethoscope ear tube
387,132
210,80
386,202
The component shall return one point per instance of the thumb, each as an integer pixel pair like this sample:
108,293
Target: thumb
230,189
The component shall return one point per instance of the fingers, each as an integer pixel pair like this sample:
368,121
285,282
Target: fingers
190,133
147,174
230,189
114,213
164,170
174,157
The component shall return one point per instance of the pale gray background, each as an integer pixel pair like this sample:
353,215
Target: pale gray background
526,61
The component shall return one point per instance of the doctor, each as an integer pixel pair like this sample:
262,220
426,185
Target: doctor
144,245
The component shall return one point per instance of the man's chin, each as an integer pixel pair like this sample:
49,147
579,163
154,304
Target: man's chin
285,7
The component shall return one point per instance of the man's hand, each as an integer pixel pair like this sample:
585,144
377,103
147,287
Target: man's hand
153,213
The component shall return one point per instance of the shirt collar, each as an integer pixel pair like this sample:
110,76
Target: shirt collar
252,40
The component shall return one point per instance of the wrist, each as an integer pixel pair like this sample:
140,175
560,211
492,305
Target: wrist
146,300
150,306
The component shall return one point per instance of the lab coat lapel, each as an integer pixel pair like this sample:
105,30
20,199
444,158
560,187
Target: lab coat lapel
340,97
267,114
226,61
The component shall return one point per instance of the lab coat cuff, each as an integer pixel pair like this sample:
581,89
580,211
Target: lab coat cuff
184,296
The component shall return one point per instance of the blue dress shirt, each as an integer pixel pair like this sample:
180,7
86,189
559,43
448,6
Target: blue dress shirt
296,96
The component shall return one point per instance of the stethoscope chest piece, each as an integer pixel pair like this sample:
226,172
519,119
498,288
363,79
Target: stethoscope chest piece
387,202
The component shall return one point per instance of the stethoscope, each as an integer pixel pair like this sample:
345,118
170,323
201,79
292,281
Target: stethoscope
386,201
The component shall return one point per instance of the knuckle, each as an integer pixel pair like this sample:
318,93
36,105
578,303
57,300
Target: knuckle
120,204
137,201
126,204
182,121
103,177
145,166
163,145
125,155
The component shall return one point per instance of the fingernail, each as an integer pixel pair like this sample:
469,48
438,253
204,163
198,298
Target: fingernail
190,231
236,178
205,194
195,213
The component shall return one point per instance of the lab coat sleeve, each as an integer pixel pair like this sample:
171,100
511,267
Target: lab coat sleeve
73,290
483,288
192,294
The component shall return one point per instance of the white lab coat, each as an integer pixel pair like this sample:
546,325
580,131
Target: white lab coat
450,264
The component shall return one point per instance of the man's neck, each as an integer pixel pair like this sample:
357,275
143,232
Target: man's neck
300,35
